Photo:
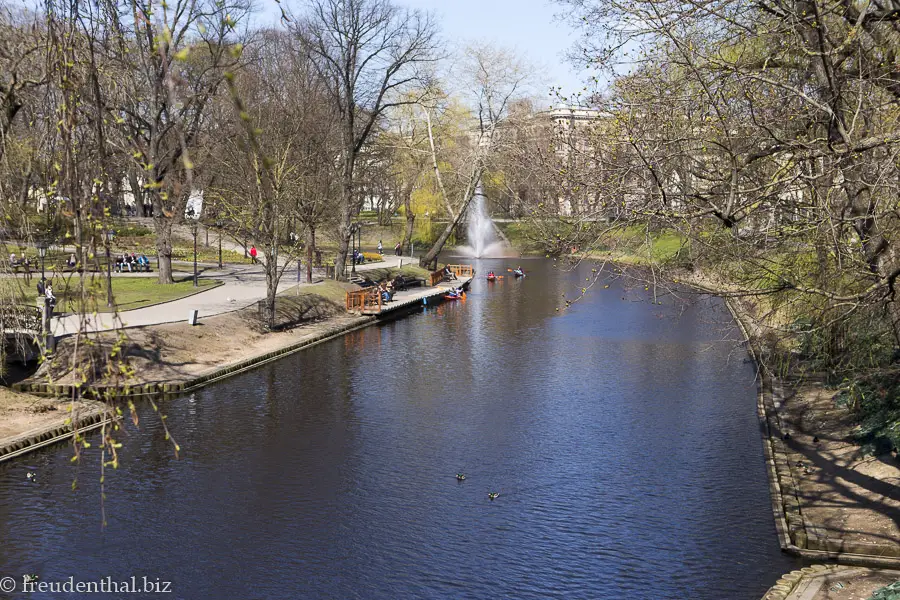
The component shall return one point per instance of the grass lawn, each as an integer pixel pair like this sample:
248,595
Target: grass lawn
335,291
129,292
630,246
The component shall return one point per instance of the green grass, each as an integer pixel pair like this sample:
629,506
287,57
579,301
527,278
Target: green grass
632,246
128,292
329,289
412,270
186,253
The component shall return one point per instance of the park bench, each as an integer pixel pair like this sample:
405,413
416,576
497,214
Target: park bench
401,282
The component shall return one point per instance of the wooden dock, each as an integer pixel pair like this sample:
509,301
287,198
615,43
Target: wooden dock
369,302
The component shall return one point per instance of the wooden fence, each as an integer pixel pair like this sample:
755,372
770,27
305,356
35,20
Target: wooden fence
462,270
367,302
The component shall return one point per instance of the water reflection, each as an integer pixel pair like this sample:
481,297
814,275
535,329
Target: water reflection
621,435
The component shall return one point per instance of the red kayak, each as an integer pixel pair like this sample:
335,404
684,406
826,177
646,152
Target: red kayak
452,297
492,278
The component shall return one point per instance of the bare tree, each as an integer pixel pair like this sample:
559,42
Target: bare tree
494,78
368,53
766,135
169,61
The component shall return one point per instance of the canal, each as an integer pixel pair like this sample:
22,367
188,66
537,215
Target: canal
621,435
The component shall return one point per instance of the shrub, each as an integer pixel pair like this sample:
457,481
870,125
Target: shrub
891,592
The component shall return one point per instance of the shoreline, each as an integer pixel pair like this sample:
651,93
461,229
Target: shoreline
91,414
798,534
204,355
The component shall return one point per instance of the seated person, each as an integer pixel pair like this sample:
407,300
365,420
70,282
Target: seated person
448,273
13,261
71,262
120,261
143,263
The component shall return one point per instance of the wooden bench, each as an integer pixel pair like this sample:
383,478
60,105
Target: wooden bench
402,282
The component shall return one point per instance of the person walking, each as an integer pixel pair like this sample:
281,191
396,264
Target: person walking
253,254
380,248
397,250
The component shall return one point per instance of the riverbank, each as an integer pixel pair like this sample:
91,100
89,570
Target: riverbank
832,582
169,359
832,500
29,422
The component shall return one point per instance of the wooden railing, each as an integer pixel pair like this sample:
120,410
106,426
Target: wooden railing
364,301
436,277
462,270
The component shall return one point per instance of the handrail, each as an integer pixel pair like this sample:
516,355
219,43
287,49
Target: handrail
356,300
462,270
364,301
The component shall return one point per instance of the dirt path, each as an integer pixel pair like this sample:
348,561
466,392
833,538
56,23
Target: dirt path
23,414
844,494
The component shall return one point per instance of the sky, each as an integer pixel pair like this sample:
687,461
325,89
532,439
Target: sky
529,27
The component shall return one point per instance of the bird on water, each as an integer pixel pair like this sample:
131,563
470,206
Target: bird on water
493,495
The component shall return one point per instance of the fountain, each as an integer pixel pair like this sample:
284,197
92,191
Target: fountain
480,231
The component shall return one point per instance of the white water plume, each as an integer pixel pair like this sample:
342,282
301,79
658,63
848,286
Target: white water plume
482,240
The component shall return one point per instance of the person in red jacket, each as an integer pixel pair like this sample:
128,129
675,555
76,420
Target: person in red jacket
253,254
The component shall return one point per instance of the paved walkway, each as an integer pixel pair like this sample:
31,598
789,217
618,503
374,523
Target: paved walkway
244,285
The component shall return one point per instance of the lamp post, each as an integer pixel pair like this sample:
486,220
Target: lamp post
353,248
45,305
109,293
219,228
194,231
42,252
193,217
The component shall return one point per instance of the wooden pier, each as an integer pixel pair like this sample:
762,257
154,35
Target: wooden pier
369,301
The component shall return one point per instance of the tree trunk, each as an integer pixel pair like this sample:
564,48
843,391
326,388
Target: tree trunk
271,267
410,216
163,227
310,249
344,228
430,257
137,193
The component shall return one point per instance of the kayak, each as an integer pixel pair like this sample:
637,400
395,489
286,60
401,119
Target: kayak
492,278
519,273
452,296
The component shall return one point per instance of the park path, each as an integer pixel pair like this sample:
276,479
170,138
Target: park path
243,286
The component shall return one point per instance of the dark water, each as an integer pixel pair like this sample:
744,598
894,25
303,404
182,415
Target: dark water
621,435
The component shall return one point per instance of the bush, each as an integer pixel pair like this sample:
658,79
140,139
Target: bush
131,230
875,401
372,256
891,592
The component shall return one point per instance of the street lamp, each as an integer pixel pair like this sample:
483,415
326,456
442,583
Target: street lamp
191,215
109,294
46,308
353,228
42,252
219,227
